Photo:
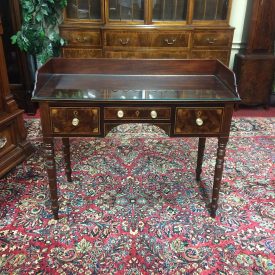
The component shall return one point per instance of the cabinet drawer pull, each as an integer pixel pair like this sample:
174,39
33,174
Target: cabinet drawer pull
3,142
199,121
75,122
154,114
172,42
211,40
124,42
82,40
120,114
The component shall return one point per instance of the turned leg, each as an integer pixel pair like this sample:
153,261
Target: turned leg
218,175
51,169
67,158
200,157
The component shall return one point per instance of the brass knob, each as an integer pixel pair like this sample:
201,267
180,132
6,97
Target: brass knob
154,114
120,114
199,121
75,121
3,142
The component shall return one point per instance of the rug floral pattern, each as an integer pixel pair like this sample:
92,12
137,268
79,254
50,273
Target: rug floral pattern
134,206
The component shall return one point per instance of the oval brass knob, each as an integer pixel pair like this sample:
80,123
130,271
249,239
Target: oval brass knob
199,121
154,114
3,142
75,121
120,114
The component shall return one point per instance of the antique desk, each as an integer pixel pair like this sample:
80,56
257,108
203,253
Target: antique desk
87,98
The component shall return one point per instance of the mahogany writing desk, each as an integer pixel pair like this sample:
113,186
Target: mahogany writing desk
88,97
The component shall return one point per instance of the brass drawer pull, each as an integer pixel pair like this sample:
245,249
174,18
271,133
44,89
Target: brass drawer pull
211,40
75,121
199,121
120,114
82,40
124,42
3,142
172,42
154,114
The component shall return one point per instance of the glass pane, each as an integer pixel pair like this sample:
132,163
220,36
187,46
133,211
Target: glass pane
169,10
84,9
126,10
210,9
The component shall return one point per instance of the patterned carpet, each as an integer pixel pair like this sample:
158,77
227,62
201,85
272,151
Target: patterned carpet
134,206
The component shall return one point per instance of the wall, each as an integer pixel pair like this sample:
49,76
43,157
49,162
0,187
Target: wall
239,19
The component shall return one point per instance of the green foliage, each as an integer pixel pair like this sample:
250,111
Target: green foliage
39,31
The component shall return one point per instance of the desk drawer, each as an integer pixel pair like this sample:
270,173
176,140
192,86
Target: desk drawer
75,120
136,113
198,120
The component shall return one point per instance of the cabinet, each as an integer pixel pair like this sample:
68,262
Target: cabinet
20,75
13,145
255,67
147,29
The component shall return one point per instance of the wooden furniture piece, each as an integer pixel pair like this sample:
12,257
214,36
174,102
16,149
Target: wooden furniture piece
20,75
88,97
13,145
255,68
148,29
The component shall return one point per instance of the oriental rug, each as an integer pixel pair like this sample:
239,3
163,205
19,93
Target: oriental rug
134,206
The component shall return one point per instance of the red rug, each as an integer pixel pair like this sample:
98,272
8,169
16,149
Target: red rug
134,206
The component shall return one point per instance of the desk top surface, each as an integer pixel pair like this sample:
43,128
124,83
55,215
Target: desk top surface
134,80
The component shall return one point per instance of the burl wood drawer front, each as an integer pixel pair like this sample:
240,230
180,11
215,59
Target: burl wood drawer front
6,140
81,53
212,39
198,120
83,38
126,39
136,113
147,54
75,120
169,39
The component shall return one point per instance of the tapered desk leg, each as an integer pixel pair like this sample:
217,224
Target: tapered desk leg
200,157
218,175
51,169
67,158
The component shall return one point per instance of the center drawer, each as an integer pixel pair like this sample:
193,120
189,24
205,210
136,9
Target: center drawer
137,113
75,120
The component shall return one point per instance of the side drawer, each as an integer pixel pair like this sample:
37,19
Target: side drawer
6,140
82,38
198,120
212,39
137,113
75,120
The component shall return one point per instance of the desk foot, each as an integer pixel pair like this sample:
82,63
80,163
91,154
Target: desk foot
55,212
200,158
218,175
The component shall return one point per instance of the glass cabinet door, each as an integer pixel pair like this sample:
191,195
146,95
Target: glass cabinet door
126,10
169,10
210,9
83,9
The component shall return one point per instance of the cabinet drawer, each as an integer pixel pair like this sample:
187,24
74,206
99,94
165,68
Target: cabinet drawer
75,120
147,54
83,38
198,120
6,140
81,53
212,39
223,56
136,113
169,39
126,39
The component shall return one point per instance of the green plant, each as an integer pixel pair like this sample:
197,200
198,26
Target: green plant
39,31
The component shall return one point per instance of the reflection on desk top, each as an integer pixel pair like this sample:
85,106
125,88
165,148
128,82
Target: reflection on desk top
112,86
